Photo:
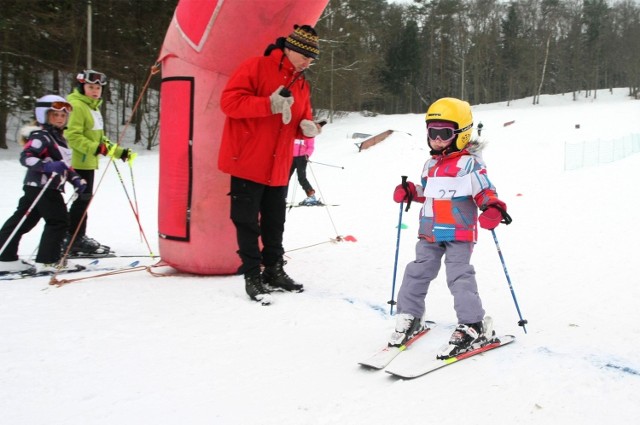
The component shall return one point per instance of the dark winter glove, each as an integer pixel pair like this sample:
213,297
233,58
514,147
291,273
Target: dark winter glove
309,128
494,214
103,149
58,167
281,105
80,184
405,193
125,154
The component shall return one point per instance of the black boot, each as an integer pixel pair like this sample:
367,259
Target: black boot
84,246
255,288
276,277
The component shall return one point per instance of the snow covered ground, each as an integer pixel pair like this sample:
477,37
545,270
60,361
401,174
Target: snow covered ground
139,349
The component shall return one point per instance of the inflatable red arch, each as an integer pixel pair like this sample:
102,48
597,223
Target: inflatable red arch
206,41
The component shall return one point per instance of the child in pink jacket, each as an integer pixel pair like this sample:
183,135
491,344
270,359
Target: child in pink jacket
302,150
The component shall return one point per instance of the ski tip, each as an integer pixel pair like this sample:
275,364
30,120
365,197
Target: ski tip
505,339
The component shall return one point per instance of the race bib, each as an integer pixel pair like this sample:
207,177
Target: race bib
448,187
98,124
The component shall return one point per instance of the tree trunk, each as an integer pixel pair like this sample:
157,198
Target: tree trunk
4,94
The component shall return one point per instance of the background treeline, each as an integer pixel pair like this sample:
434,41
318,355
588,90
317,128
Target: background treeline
43,45
400,58
375,56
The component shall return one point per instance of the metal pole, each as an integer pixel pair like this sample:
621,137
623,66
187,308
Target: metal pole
522,321
392,302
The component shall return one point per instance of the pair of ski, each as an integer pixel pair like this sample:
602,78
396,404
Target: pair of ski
315,204
109,254
420,365
93,266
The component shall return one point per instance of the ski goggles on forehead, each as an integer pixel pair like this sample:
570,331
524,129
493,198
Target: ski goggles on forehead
92,77
56,106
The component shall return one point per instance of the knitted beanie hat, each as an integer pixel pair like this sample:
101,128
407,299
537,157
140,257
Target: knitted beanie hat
303,40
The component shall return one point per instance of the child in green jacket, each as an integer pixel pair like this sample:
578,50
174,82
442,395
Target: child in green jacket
88,141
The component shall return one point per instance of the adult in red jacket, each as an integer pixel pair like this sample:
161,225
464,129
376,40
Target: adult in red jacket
267,104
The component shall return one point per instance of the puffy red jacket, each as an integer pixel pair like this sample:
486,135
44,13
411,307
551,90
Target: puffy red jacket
255,144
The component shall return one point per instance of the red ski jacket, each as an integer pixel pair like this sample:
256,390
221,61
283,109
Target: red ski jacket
255,144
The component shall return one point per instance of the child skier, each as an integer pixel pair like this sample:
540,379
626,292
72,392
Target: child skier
47,157
302,150
454,185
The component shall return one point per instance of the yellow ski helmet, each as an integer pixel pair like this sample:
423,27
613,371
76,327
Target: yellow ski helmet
457,112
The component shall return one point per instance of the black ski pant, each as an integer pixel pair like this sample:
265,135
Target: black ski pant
258,212
52,208
77,211
299,165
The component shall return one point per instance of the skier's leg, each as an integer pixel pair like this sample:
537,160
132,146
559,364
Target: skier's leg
418,274
461,279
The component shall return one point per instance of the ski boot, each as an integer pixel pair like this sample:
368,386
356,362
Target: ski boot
407,327
17,266
86,247
311,199
53,268
468,337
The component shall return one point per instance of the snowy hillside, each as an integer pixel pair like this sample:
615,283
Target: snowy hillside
138,349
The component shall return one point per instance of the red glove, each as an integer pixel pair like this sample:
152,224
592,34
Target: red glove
103,149
402,195
492,215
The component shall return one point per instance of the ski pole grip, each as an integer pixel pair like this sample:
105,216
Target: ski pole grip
405,185
506,218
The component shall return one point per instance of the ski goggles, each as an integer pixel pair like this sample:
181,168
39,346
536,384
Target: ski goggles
56,106
92,77
446,134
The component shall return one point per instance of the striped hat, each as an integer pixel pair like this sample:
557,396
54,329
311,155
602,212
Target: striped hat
303,40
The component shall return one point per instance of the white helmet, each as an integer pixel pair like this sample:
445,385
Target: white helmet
50,101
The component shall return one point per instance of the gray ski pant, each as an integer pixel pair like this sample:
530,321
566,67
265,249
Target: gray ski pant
461,280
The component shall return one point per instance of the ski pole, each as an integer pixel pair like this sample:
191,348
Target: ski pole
522,321
133,208
293,192
395,263
133,184
327,165
26,214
